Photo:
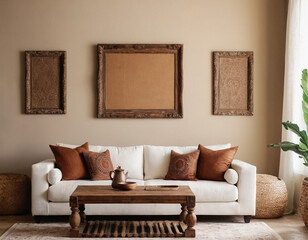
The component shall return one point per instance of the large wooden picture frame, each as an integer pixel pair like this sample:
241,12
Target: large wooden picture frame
140,80
233,83
45,82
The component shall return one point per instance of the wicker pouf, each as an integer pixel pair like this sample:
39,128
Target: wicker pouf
272,196
303,201
15,194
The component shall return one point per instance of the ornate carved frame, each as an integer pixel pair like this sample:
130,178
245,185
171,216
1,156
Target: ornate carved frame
174,49
45,82
219,90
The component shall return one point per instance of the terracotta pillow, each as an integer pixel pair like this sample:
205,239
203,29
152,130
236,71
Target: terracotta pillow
213,164
183,166
71,162
99,165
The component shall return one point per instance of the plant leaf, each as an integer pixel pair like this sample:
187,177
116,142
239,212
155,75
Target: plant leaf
303,147
294,128
305,160
289,146
285,146
304,81
304,86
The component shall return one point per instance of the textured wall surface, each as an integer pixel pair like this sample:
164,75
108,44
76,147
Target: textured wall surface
203,26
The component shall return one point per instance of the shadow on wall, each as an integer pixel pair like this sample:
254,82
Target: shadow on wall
94,77
274,86
22,64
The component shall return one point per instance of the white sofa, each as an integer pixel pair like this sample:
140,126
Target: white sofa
148,165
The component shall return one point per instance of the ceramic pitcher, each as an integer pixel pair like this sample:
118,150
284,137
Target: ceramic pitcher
117,176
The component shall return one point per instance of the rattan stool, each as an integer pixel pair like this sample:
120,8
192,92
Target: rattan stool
272,196
15,194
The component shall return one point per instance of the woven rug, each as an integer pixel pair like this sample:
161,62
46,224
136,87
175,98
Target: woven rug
204,230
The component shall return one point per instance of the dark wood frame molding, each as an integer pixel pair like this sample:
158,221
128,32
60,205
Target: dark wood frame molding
31,93
217,110
175,49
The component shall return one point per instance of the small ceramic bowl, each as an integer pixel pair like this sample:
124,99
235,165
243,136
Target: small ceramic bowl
127,185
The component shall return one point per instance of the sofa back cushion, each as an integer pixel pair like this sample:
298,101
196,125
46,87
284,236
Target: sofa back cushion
129,158
157,158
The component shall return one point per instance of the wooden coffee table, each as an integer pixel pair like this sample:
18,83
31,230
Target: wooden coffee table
106,194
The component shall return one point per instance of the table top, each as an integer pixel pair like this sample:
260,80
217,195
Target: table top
106,194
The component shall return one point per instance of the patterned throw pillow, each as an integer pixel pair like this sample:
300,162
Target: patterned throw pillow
71,162
183,166
213,164
99,165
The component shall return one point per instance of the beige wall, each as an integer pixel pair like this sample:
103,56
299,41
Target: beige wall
203,26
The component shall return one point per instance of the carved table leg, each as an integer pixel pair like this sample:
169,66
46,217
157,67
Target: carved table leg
82,213
191,218
74,222
190,221
183,213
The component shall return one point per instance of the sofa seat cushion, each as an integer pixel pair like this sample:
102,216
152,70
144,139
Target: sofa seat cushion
61,191
157,158
129,158
205,190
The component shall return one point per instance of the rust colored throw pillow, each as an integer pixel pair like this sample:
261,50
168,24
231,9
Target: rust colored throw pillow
183,166
71,162
99,165
213,164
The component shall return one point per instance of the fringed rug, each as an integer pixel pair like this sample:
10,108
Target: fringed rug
204,230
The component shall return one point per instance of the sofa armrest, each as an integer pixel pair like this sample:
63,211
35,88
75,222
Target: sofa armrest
246,186
40,186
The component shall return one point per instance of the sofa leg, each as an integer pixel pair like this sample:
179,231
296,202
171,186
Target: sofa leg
247,218
37,219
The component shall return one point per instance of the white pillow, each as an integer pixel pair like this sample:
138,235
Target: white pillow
54,176
231,176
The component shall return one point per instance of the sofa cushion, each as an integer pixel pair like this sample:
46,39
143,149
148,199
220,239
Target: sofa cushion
205,191
71,161
213,164
156,158
61,191
183,166
129,158
99,165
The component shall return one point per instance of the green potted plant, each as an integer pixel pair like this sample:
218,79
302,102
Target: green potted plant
301,148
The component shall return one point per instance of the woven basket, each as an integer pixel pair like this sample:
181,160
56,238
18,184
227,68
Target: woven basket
15,194
303,202
272,196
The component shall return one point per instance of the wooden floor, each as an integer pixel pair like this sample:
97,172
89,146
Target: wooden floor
289,227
